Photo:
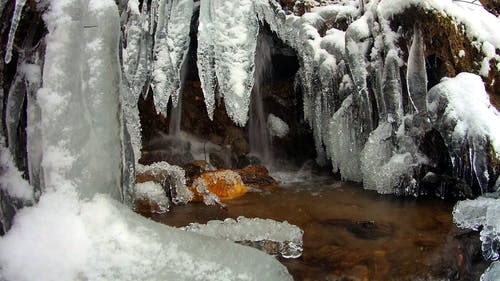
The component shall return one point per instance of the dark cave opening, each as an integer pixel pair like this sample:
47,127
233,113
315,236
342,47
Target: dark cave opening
436,69
281,98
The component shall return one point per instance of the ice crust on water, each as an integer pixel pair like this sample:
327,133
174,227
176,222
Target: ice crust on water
227,38
288,236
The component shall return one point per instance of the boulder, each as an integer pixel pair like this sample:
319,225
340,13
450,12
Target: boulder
257,176
225,184
150,198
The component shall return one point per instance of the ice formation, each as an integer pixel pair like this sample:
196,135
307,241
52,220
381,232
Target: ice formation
227,37
16,17
78,121
171,44
482,213
461,111
108,241
173,180
287,236
276,126
153,192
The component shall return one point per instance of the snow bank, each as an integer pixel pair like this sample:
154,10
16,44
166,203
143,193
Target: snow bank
11,179
63,238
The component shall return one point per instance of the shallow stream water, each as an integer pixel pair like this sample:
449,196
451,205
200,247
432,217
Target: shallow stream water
349,233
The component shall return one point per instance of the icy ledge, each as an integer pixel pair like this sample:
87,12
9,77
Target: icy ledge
269,235
64,238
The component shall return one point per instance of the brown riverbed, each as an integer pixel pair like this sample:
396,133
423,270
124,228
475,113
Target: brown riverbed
349,233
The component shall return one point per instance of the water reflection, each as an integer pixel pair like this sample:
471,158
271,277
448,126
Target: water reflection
350,233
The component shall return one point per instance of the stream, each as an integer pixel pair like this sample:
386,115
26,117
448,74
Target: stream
349,233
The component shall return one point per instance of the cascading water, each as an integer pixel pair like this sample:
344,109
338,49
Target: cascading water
174,126
260,142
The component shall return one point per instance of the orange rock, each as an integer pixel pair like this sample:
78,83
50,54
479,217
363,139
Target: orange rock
226,184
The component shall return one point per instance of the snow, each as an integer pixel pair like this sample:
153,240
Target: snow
288,236
153,192
480,25
468,106
277,127
227,38
176,179
64,238
11,179
171,44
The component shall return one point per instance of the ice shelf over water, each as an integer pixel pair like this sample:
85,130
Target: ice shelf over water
288,237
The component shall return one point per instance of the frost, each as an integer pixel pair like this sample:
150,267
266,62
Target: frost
174,180
288,237
461,53
209,198
277,127
227,37
153,192
171,44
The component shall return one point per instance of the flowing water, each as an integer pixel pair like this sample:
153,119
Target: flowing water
257,124
348,232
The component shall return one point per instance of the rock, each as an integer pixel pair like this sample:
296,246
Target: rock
220,159
170,177
257,176
240,147
166,148
243,161
150,198
225,184
194,170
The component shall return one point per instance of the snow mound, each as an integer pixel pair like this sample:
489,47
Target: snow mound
64,238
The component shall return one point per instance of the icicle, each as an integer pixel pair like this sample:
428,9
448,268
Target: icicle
16,17
227,38
171,44
13,110
416,74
